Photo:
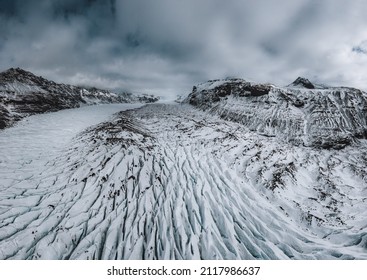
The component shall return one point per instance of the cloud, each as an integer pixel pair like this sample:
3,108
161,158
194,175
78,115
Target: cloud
167,46
361,48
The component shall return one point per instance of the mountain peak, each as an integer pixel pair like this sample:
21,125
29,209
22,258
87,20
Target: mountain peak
21,75
303,82
16,71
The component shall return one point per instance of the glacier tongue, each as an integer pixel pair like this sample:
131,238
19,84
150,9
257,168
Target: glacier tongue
173,182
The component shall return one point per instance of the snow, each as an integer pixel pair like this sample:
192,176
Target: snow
23,94
169,181
19,88
210,85
332,117
44,136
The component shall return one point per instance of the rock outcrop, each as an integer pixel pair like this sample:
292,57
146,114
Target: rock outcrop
301,113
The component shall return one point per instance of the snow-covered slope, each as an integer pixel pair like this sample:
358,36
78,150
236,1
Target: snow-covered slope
174,182
301,113
23,93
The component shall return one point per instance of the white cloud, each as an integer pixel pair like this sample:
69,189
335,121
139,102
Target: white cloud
167,46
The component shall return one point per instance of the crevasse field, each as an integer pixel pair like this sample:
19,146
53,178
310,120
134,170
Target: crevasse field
169,181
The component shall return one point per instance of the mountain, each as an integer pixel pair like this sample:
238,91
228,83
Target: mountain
302,82
22,93
301,113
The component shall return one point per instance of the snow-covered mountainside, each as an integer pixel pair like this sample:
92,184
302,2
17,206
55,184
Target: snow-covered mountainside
301,113
23,93
174,182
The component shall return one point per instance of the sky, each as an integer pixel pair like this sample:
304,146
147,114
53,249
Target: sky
165,47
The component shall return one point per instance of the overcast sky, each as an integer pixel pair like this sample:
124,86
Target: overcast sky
167,46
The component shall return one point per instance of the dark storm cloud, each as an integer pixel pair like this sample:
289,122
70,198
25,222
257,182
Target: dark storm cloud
166,46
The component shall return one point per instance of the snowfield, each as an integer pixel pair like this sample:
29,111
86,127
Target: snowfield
174,182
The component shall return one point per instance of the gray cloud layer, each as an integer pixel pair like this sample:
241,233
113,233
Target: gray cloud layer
167,46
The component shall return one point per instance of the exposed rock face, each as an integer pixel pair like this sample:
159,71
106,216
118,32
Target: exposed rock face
23,93
214,90
302,82
307,115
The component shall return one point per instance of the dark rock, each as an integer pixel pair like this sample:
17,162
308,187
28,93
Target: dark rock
298,103
303,82
329,119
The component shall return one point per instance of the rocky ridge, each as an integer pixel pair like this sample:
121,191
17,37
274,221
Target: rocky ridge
301,113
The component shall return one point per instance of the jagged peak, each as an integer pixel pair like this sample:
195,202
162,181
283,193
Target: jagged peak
303,82
17,71
21,75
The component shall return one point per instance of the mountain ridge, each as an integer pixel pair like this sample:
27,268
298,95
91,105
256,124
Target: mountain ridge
301,113
23,93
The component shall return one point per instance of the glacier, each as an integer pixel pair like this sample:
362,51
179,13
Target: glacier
180,181
22,94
